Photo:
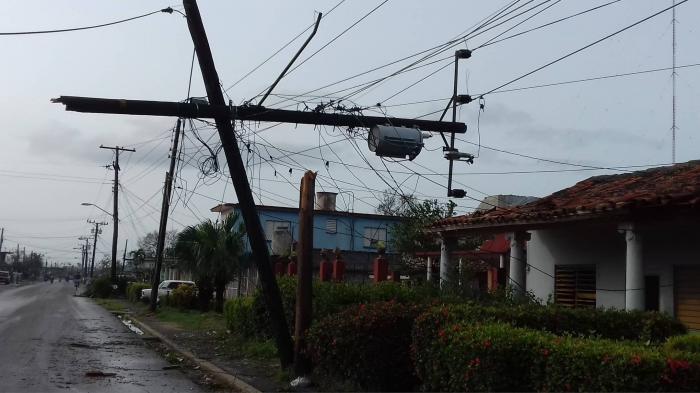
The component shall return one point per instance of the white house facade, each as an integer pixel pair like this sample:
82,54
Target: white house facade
627,241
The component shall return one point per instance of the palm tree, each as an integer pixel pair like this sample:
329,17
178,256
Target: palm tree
211,251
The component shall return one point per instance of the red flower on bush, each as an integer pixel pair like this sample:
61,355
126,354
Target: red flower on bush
677,365
362,307
545,352
476,362
606,359
636,360
441,333
487,344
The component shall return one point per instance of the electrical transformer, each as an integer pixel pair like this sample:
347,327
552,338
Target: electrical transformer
396,142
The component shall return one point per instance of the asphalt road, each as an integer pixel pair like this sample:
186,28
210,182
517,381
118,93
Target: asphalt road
50,339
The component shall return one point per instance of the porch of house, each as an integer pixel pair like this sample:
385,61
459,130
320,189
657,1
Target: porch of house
644,266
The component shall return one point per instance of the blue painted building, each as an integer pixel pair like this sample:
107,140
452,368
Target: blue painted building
356,235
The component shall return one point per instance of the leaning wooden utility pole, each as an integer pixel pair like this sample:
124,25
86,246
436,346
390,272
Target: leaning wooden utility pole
258,243
115,211
165,206
304,272
223,115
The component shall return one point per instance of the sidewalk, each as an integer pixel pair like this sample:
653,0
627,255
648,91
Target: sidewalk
207,348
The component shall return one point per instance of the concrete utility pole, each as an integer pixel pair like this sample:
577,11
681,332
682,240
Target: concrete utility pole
2,237
115,212
223,115
302,365
94,244
165,207
126,243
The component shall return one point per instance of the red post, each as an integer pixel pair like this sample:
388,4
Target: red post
292,268
279,268
395,276
338,267
325,268
380,268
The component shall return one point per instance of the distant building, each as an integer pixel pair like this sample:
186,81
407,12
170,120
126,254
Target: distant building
356,235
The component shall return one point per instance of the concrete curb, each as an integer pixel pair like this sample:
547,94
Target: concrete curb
220,375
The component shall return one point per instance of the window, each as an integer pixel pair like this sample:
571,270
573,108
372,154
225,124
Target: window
372,236
574,285
331,226
272,226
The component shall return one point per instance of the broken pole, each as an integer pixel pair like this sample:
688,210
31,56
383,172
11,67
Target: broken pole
165,207
302,364
256,236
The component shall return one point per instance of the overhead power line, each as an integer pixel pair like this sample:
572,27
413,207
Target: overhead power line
586,46
280,49
168,10
332,40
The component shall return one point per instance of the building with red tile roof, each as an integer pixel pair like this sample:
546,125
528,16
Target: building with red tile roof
628,241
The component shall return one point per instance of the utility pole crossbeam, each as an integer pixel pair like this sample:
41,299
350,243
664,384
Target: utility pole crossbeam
115,212
165,207
246,113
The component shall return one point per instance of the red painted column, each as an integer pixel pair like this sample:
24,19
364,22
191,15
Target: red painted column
325,267
380,268
338,267
292,268
279,268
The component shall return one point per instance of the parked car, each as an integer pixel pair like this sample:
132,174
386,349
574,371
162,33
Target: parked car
5,277
164,288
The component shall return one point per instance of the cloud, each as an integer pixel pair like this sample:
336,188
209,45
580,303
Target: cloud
498,114
68,144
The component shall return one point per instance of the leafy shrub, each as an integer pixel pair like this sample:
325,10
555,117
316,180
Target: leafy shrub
133,290
183,297
367,345
238,314
330,298
612,324
498,357
463,357
100,287
685,343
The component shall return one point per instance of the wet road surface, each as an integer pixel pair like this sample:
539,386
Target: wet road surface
50,339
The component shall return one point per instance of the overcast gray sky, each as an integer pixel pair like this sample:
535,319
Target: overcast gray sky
50,161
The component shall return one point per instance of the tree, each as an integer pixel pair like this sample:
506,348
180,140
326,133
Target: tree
212,252
148,244
410,235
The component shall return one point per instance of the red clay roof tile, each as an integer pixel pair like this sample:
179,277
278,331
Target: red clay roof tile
662,186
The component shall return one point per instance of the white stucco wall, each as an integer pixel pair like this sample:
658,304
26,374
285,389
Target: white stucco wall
663,247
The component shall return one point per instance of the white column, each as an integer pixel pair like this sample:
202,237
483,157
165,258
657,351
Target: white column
429,269
517,262
446,247
634,271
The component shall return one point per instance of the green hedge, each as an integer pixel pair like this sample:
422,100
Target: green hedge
330,298
183,297
100,287
686,343
238,314
611,324
498,357
133,290
366,346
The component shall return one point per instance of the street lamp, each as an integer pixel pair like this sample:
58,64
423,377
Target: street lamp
92,204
